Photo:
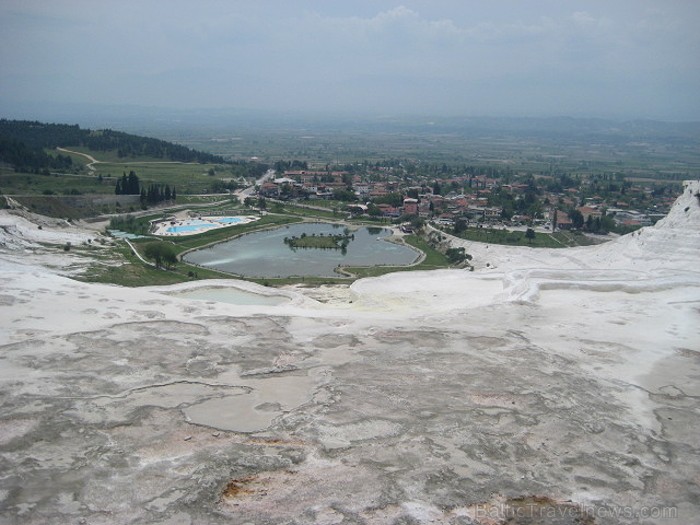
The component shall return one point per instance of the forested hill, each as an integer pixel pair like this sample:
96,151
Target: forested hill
22,143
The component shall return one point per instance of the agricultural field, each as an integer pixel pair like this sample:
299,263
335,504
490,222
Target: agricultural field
72,195
641,150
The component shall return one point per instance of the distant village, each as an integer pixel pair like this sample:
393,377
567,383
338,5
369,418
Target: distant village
597,203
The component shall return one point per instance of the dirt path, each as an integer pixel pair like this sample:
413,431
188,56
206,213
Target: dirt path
92,159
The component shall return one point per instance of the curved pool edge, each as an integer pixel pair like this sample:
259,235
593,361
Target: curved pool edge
294,298
340,272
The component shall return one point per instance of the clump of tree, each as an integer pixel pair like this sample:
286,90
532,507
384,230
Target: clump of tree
244,168
129,223
577,220
602,225
220,186
457,255
393,199
26,159
346,195
128,185
154,194
161,253
284,165
157,193
321,241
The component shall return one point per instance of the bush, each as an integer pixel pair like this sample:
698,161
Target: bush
161,253
456,255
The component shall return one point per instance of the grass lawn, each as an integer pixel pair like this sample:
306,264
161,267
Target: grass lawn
102,156
64,184
518,238
299,211
515,238
134,273
185,178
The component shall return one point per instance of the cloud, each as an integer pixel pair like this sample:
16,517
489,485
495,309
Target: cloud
316,54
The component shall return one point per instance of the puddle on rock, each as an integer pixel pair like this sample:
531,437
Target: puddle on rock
269,398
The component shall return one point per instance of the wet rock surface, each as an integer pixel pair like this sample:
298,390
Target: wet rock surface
248,419
556,395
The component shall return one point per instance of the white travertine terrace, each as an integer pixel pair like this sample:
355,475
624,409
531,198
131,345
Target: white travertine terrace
557,379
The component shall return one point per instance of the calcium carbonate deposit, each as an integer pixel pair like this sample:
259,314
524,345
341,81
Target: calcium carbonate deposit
547,386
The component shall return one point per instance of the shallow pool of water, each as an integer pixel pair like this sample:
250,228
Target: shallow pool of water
198,225
193,226
265,254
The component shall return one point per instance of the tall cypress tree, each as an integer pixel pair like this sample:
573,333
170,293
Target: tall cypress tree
133,184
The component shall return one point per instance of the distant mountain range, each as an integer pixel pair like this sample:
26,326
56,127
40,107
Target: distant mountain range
174,122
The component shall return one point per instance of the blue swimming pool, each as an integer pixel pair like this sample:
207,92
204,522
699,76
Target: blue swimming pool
203,224
229,220
191,227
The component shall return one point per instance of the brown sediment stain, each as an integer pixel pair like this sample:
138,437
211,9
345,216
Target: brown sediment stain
253,488
239,487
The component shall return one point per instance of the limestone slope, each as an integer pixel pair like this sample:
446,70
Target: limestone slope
672,244
556,387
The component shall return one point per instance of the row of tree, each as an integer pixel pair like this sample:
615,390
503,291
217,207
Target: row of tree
128,185
154,194
157,193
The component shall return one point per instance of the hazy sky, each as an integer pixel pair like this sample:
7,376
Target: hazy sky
620,58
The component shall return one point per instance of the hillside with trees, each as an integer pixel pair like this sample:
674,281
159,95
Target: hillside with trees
23,144
34,160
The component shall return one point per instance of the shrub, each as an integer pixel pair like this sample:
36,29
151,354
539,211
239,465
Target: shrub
161,253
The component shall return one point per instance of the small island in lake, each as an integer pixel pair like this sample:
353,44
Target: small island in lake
332,242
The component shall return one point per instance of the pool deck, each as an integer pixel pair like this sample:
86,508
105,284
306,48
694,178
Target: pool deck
181,227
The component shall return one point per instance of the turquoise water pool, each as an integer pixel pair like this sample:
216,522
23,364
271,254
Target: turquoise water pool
199,224
229,220
191,226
